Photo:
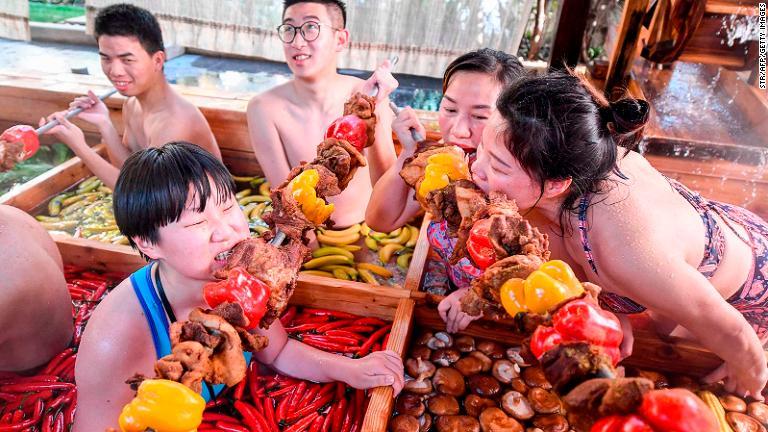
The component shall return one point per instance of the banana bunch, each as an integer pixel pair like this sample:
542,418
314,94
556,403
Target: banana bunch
84,212
335,257
254,201
399,242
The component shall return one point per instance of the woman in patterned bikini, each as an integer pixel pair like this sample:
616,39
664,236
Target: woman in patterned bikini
699,267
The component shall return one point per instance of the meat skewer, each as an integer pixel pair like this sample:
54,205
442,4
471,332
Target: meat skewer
23,140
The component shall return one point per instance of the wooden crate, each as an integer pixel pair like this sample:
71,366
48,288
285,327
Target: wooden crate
389,304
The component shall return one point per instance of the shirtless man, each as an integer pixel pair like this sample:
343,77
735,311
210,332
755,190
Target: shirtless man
132,57
287,122
35,308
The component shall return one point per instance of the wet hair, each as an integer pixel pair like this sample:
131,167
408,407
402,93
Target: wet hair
129,20
504,67
558,126
336,9
153,188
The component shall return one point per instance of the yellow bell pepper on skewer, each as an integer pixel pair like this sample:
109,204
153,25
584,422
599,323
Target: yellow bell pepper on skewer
551,284
163,406
303,190
441,169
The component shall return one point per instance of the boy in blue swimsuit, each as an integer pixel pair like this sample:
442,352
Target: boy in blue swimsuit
177,205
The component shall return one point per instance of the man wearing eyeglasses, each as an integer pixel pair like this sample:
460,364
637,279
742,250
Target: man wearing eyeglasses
287,122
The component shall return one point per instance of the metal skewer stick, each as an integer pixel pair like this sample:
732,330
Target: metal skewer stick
51,124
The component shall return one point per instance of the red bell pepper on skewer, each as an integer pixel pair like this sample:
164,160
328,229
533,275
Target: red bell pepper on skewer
479,244
240,287
351,129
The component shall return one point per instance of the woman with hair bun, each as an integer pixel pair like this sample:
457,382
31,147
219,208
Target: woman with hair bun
698,267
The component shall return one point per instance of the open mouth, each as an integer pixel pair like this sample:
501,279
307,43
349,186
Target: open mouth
121,85
223,256
301,57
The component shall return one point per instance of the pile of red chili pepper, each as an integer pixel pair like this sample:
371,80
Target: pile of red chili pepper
275,403
46,401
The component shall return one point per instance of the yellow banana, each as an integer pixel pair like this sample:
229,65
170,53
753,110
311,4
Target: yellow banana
379,270
327,260
332,250
316,273
243,193
239,179
401,238
377,235
365,229
372,243
340,274
264,189
350,271
394,233
352,248
252,198
414,236
386,251
404,260
337,241
257,211
354,229
368,277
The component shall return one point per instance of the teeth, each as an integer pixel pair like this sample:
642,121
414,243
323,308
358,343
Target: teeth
223,256
301,57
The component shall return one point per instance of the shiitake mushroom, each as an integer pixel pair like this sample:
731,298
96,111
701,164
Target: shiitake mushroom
484,360
551,423
419,368
519,385
544,402
516,404
743,423
513,354
440,340
469,366
423,338
495,420
733,403
420,387
474,404
492,349
484,385
759,412
505,371
404,423
464,343
534,377
425,422
449,381
410,404
457,423
445,356
421,352
442,405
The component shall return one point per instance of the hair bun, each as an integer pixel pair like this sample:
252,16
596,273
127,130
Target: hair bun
628,115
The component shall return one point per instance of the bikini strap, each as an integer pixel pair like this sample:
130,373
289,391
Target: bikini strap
583,206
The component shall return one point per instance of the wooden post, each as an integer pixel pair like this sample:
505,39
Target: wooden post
571,23
626,44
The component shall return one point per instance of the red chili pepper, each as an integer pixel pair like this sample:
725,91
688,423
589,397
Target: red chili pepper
334,325
341,340
350,128
314,406
253,382
309,395
251,416
214,417
359,412
359,329
349,414
288,316
331,347
214,403
302,424
20,425
99,292
327,423
296,396
282,391
47,425
231,427
240,388
348,334
339,410
58,424
62,399
330,313
479,244
269,413
317,424
373,339
240,287
366,321
282,408
32,387
303,328
56,360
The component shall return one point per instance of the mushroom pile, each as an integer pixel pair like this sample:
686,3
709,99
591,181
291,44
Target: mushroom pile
458,383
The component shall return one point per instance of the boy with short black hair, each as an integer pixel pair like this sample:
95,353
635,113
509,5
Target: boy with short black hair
286,123
132,57
177,205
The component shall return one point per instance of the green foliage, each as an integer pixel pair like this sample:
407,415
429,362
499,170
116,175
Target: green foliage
44,12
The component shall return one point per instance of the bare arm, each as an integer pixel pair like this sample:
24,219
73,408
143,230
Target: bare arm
392,204
299,360
266,142
656,275
73,137
382,154
96,112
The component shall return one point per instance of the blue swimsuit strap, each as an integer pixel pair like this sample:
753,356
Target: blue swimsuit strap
157,319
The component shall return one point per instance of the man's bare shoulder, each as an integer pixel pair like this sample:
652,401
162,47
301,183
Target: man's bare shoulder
278,96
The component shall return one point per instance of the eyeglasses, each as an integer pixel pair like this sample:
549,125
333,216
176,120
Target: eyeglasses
310,30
